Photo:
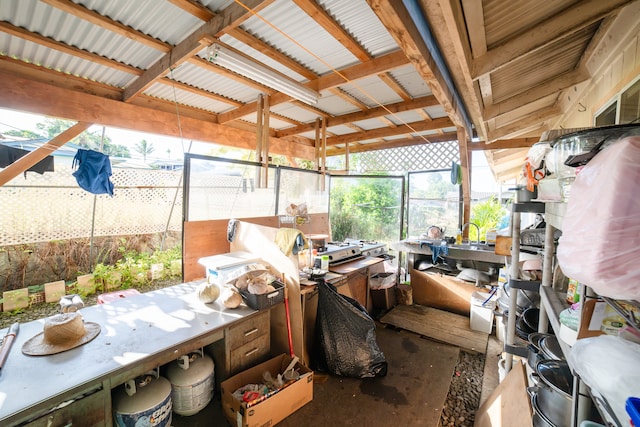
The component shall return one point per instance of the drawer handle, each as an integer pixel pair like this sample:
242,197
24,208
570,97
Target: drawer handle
251,332
249,353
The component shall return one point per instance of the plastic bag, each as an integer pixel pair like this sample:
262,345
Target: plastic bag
609,365
346,337
600,244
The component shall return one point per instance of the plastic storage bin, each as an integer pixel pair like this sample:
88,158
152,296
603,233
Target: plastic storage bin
481,313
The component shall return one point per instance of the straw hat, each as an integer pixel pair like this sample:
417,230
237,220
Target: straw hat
61,332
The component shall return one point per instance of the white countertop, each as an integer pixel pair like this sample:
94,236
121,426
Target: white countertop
133,330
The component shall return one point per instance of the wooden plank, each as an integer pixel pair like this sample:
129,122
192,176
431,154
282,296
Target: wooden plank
509,404
438,325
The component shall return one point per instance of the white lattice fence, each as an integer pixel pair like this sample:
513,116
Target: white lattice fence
53,207
413,158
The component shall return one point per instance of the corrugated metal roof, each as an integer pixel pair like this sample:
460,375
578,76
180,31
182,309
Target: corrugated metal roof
303,35
411,81
159,19
371,91
363,25
541,65
504,19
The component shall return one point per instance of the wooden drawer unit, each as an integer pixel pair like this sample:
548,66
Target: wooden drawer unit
245,344
91,410
249,354
248,330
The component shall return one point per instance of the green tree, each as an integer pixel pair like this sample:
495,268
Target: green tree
143,147
23,134
364,208
487,215
90,140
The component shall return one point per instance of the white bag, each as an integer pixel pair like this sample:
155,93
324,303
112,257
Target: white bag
600,244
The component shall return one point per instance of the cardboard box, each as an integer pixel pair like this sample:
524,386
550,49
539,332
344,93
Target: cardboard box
274,408
384,298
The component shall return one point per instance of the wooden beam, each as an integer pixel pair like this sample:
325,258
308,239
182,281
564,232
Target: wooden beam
315,11
535,93
414,104
509,155
572,19
447,22
354,72
380,64
396,143
419,126
228,18
194,8
201,92
395,17
30,159
116,27
390,81
349,98
69,50
198,10
525,124
502,144
474,18
465,164
40,98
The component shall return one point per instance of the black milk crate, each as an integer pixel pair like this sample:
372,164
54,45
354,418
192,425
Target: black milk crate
262,301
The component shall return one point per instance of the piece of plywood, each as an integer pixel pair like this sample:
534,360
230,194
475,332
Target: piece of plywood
437,324
53,291
503,245
509,404
443,292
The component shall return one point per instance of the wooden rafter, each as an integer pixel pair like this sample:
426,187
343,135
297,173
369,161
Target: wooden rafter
525,124
414,104
537,92
376,65
93,17
315,11
230,17
419,126
504,144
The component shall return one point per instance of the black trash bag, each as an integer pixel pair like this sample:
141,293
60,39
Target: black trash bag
346,337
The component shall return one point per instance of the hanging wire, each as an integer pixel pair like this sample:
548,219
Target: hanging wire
345,78
93,214
175,196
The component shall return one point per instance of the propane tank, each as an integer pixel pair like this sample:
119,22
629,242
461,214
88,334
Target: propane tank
191,378
145,400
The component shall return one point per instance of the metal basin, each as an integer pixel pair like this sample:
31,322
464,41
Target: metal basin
475,252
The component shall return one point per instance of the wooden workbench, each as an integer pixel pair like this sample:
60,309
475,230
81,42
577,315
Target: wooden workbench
138,334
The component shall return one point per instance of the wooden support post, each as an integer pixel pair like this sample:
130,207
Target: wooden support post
346,157
465,164
259,139
324,152
265,141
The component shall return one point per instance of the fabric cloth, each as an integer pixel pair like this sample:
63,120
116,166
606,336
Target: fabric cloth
93,171
8,155
290,241
436,251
